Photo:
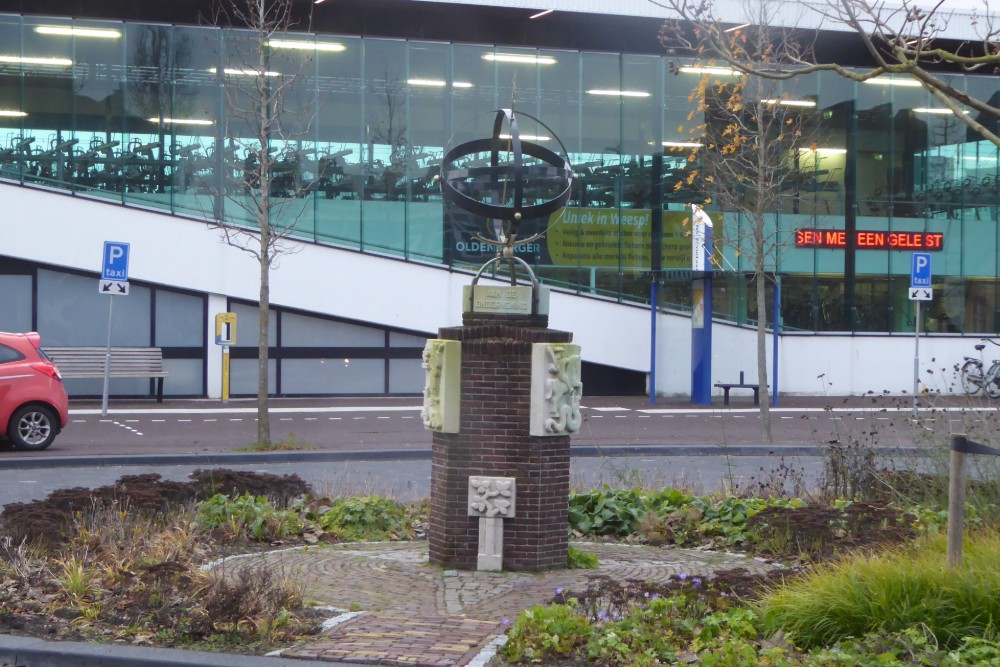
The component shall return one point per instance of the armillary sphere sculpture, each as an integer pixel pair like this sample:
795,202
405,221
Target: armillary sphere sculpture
510,191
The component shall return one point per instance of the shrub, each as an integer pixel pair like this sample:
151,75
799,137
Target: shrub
359,519
890,592
541,633
247,516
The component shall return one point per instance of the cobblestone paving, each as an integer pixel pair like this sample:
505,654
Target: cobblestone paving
418,614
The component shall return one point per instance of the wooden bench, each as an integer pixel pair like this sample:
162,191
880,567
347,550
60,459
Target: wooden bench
126,362
726,386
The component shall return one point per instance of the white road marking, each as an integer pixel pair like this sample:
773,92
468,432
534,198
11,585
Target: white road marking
612,409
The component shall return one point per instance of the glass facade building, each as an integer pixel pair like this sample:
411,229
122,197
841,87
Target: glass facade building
146,115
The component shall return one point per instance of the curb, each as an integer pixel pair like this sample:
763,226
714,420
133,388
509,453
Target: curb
34,652
584,451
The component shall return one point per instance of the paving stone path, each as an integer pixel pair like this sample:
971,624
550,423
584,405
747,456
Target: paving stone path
417,614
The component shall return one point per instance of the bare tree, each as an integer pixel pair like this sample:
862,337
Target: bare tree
747,156
265,118
901,38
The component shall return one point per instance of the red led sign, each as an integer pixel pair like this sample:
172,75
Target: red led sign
837,238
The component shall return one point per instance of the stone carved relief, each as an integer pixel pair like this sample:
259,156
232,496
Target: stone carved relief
433,364
441,360
563,389
491,497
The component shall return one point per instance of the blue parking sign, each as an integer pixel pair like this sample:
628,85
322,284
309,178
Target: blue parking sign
115,261
920,270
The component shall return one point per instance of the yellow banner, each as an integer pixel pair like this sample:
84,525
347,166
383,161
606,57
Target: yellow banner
612,237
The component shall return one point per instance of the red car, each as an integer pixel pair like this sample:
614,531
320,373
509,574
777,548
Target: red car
33,402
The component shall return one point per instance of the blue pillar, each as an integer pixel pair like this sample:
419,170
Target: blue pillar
701,313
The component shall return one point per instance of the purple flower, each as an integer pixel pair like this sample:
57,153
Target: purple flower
696,581
505,622
656,596
683,576
558,591
602,615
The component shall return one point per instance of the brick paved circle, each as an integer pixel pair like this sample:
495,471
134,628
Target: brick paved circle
418,614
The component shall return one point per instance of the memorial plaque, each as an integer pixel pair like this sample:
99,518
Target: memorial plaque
503,299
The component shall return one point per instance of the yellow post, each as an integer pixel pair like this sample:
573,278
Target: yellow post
225,373
225,335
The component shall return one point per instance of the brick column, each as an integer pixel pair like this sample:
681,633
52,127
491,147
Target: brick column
494,440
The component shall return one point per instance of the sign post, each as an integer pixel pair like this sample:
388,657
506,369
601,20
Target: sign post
114,282
701,308
920,290
225,335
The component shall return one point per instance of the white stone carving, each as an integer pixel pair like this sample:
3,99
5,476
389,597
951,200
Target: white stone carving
491,496
556,389
492,500
442,363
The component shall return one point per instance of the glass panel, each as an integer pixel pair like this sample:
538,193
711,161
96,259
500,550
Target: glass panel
79,387
72,312
601,128
180,320
321,376
340,124
304,331
190,129
397,339
153,56
14,126
431,85
387,139
243,377
470,119
406,376
15,303
47,69
247,318
187,377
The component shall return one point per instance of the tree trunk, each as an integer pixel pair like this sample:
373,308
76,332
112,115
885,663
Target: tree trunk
263,417
765,401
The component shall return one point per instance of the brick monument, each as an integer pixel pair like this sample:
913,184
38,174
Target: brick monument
502,392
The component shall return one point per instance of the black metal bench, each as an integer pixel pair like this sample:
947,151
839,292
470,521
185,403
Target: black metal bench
126,362
726,386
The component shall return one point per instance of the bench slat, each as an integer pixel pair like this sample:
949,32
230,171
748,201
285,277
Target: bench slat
126,362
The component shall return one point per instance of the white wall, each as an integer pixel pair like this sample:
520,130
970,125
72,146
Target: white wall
61,230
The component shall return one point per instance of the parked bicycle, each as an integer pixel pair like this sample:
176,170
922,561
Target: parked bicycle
973,377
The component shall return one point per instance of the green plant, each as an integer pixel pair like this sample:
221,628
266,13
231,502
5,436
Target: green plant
78,579
247,515
606,511
890,592
358,519
542,633
580,560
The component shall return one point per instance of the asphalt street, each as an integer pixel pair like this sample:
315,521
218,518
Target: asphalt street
379,445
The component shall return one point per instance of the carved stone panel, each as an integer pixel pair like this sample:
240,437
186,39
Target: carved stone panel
492,497
442,363
556,389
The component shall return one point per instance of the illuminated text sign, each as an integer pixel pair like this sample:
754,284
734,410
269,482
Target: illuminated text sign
837,238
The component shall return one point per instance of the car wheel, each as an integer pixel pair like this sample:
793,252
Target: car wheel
33,428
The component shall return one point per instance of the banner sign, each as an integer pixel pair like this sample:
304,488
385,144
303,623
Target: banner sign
587,237
863,240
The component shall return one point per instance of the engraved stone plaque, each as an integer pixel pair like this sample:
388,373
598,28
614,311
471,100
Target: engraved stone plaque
507,299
